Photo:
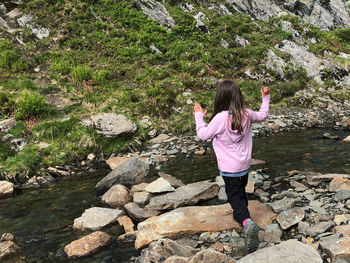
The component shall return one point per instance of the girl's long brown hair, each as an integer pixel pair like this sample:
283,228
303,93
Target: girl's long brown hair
229,97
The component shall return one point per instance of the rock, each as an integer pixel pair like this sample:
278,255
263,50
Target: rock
314,230
282,204
127,239
111,125
138,213
117,196
337,247
211,256
241,41
97,217
339,219
257,162
38,31
156,11
171,179
275,63
45,180
176,259
345,140
342,195
339,183
138,188
127,224
159,186
58,172
272,234
7,125
130,172
298,185
7,237
141,198
290,251
162,249
250,187
7,248
185,195
344,230
314,179
187,221
290,217
6,189
87,245
115,162
222,196
44,145
218,246
159,139
17,144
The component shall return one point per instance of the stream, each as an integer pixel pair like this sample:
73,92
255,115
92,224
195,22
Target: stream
41,219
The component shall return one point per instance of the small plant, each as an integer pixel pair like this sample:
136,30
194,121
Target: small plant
81,73
31,105
100,76
61,66
7,104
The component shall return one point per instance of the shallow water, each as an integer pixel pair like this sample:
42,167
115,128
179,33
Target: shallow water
42,219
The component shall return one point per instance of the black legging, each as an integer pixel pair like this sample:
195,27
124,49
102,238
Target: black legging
236,195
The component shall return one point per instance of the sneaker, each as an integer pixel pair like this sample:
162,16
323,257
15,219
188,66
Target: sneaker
251,231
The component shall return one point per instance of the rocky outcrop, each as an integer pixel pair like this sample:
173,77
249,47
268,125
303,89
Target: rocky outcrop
97,217
6,188
111,125
128,173
87,245
117,196
290,251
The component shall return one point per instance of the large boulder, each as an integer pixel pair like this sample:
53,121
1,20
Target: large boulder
185,195
117,196
7,248
128,173
87,245
97,217
290,251
6,188
187,221
111,125
156,11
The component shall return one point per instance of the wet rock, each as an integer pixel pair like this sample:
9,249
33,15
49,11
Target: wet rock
185,195
336,247
313,230
159,186
257,162
111,125
162,249
45,180
7,125
339,183
272,234
87,245
187,221
171,179
97,217
290,217
128,173
7,248
156,11
6,189
159,139
117,196
58,172
127,239
115,162
138,213
290,251
141,198
282,204
211,256
127,224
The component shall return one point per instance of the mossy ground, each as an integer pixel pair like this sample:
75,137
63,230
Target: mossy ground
98,54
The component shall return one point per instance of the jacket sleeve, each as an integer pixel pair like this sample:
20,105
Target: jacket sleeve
209,131
261,115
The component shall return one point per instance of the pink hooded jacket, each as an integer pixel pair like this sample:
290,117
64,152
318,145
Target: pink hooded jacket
233,151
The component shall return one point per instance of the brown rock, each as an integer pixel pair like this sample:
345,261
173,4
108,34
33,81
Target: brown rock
339,219
339,183
296,184
250,187
218,246
274,126
257,162
115,161
127,239
345,229
138,213
159,139
335,247
127,224
138,188
6,188
117,196
187,221
7,248
176,259
87,245
211,256
160,159
315,179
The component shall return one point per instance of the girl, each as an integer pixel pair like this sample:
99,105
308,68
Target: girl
230,128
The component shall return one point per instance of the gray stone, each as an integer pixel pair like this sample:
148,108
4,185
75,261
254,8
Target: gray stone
159,186
138,213
290,217
342,195
272,234
45,179
141,198
290,251
38,31
7,125
211,256
314,230
130,172
97,217
111,125
222,196
275,63
171,179
185,195
242,41
17,144
336,246
282,204
6,188
117,196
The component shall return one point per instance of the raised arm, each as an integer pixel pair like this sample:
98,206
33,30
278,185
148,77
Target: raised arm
261,115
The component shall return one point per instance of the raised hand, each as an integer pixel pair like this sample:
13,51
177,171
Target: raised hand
265,91
198,108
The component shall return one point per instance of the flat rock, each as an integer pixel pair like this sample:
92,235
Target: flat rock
211,256
115,161
111,125
290,217
128,173
164,248
87,245
7,125
95,218
344,229
127,224
315,179
337,247
187,221
159,186
342,195
117,196
171,179
138,188
6,188
7,248
159,139
282,204
339,183
314,230
141,198
138,213
272,234
185,195
250,187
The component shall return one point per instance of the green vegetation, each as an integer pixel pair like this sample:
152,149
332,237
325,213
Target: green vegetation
30,105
